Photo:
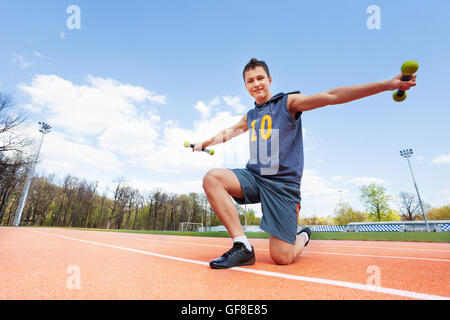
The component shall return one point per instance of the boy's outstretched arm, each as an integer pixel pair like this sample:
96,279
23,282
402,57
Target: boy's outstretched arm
224,135
301,102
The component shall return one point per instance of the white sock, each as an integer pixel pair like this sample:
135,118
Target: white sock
306,234
244,240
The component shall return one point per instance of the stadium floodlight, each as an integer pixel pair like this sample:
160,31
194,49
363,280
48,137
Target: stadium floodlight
44,129
407,154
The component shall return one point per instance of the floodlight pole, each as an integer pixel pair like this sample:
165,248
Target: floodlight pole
407,154
45,128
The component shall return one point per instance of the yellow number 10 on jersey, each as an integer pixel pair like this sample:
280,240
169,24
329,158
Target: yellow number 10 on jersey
265,134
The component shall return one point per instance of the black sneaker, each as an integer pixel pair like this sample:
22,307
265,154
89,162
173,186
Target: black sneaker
308,231
239,255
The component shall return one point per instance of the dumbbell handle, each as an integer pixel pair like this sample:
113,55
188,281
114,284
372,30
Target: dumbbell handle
401,93
208,151
203,149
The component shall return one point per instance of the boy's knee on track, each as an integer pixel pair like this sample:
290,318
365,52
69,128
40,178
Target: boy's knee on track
282,258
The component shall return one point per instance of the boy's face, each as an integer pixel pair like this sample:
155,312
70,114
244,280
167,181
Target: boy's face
257,84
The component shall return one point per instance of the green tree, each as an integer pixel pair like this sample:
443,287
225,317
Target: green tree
252,219
376,201
442,213
344,214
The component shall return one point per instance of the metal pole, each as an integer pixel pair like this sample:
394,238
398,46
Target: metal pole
45,128
418,196
30,175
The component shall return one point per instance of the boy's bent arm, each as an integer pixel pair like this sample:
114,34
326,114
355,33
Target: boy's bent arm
301,102
226,134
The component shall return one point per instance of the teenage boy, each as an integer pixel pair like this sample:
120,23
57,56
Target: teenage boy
273,174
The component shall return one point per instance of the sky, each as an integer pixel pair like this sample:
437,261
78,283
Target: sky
124,83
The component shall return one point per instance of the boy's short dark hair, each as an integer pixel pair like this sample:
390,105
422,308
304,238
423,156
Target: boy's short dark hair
253,63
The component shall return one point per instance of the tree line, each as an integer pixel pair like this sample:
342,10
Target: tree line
77,203
377,208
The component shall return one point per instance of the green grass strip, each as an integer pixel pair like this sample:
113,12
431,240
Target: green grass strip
384,236
363,236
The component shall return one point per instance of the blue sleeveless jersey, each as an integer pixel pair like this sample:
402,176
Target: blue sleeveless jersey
276,141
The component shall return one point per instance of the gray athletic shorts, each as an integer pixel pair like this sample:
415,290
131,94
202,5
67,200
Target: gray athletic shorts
280,203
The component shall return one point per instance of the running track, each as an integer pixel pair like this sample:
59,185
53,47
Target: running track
41,263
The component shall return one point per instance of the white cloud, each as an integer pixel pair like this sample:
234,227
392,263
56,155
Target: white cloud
62,154
84,160
235,103
38,54
108,117
20,60
442,159
169,154
360,181
338,178
321,195
32,108
205,108
119,90
87,109
93,124
214,102
130,138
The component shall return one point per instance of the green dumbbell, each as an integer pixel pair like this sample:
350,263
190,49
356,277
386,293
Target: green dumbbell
408,69
187,144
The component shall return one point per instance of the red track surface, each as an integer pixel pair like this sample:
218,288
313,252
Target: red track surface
35,263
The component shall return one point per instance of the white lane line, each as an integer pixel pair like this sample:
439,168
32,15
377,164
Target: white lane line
375,256
351,285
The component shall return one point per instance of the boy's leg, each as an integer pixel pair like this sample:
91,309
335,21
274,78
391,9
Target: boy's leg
283,252
219,185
